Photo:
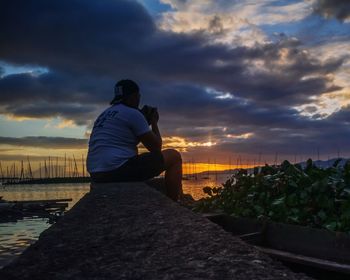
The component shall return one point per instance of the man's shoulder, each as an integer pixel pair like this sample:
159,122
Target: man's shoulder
132,112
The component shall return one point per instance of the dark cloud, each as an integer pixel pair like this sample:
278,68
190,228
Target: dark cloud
81,114
82,41
215,25
273,129
234,70
88,45
287,144
53,95
193,104
341,116
73,34
52,87
339,9
45,142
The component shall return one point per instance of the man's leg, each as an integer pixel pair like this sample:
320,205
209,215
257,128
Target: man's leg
173,173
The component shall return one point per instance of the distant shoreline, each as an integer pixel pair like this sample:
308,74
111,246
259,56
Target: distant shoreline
58,180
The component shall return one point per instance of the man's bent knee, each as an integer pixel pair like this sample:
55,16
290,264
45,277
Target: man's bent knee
171,156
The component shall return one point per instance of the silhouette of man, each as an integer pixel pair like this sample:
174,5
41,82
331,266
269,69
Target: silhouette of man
113,154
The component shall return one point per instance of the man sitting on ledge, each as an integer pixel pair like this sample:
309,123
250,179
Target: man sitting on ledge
113,154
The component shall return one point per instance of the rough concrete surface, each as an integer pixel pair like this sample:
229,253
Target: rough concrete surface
131,231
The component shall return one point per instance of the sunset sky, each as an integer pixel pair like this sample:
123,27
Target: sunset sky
231,79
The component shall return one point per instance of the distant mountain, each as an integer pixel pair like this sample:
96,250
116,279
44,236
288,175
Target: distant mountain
326,163
318,163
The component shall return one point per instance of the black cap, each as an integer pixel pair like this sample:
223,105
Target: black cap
124,88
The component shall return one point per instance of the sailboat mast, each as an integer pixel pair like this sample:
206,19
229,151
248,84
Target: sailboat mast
30,168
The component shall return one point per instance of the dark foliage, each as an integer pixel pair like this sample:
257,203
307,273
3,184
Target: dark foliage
287,193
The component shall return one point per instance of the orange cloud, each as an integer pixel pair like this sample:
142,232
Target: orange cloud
182,144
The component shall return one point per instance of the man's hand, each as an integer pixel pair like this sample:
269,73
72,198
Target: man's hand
150,113
155,116
151,140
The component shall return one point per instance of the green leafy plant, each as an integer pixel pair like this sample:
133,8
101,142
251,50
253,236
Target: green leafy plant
287,193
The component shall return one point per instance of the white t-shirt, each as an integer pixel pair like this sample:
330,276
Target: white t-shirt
113,139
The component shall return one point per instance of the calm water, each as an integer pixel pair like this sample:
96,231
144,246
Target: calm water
17,236
195,187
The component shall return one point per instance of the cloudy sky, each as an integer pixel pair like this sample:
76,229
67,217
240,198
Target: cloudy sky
249,79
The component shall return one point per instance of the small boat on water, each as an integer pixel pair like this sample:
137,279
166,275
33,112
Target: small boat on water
319,252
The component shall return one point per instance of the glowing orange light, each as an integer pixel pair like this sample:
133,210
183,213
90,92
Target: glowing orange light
200,167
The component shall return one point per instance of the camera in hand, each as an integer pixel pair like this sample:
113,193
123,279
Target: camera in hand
148,112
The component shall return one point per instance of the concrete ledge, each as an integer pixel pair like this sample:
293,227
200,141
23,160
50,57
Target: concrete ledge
131,231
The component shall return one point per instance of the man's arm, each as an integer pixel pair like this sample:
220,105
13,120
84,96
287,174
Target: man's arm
152,140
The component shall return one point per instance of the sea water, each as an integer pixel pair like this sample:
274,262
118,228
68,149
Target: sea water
15,237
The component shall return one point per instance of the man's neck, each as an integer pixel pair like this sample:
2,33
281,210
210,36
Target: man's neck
129,105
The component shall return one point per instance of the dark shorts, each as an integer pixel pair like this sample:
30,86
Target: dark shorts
139,168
